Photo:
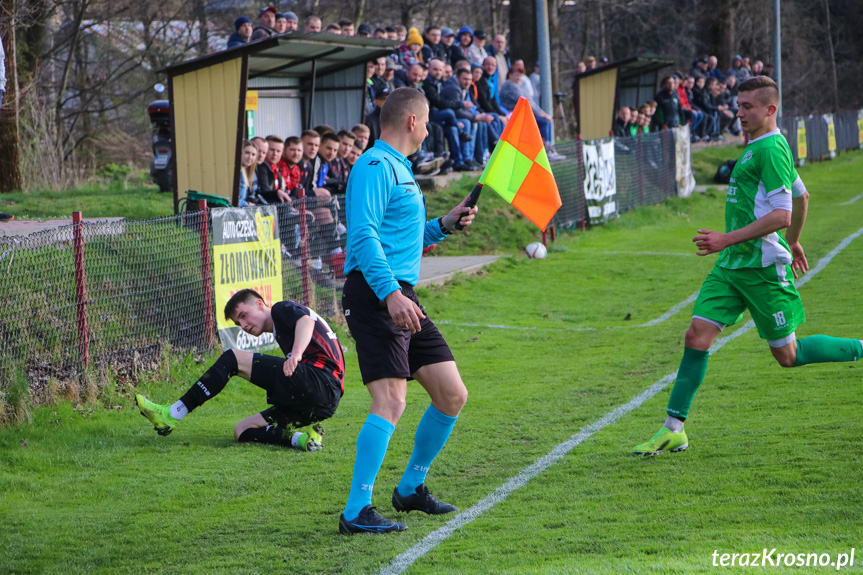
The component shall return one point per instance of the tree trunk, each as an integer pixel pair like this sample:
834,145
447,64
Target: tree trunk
834,79
10,170
725,13
522,32
554,40
361,9
200,15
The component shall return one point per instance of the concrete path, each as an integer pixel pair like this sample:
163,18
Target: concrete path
437,270
26,227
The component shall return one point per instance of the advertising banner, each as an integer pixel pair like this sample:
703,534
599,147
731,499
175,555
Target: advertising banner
802,149
682,162
246,254
600,188
860,127
831,134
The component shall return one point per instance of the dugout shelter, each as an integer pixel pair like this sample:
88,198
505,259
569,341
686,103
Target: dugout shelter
296,81
601,91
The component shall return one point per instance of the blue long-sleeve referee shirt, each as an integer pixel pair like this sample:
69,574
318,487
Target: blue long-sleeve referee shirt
386,220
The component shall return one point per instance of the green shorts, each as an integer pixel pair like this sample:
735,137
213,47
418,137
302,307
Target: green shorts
768,293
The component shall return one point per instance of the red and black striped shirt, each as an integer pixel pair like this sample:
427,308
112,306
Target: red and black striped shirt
324,350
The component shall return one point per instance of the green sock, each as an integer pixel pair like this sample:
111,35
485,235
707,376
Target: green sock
693,366
823,348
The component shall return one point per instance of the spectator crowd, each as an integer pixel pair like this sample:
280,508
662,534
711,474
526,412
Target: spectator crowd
472,86
705,98
470,79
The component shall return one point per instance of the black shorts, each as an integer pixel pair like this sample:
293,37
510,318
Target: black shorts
308,396
384,350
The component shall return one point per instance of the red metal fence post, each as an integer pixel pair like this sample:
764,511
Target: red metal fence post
304,248
206,275
80,290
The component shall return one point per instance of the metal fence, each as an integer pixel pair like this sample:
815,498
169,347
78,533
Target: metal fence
813,142
644,168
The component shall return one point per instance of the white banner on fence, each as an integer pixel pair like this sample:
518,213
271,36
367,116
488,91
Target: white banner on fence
246,254
600,187
682,162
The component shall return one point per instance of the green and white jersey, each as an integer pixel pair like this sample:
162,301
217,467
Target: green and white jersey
765,168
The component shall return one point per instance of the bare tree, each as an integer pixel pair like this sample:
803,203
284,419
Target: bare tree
10,170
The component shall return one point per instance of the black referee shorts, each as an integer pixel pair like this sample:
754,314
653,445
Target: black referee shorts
308,396
384,350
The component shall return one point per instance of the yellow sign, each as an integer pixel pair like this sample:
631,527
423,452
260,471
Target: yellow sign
802,150
251,100
246,254
831,132
860,128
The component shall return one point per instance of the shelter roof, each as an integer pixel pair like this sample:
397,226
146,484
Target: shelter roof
292,54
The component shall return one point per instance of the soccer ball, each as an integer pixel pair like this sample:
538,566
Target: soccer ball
536,250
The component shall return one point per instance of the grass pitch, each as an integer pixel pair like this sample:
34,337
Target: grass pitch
774,457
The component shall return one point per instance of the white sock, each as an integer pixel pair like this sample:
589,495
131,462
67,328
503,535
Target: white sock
674,424
179,410
295,440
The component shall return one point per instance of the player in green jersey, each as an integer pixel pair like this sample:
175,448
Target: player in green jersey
755,264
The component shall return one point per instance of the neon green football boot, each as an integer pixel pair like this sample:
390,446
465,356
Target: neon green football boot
664,440
159,415
311,440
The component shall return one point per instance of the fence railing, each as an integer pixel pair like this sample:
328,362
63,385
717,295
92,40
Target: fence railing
645,173
820,136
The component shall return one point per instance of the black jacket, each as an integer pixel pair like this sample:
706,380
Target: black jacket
455,54
438,51
261,32
669,104
432,89
269,182
483,98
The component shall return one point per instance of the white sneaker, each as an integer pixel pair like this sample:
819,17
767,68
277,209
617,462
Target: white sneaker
555,157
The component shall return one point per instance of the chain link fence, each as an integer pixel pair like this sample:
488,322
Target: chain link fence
89,305
645,173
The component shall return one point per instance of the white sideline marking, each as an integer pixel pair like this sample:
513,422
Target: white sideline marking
433,539
676,308
852,200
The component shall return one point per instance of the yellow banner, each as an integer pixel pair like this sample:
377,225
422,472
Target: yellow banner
802,150
860,128
246,254
251,100
831,132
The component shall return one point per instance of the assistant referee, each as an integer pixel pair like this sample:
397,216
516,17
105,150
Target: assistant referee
386,233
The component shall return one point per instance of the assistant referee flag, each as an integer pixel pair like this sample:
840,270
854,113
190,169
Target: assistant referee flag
519,171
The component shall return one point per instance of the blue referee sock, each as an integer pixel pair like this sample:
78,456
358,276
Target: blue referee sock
432,433
372,443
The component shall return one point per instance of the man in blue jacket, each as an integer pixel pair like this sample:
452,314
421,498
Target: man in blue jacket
395,340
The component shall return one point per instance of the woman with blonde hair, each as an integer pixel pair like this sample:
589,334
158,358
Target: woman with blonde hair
248,179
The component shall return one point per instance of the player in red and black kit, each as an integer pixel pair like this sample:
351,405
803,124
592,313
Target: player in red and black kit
303,388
